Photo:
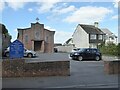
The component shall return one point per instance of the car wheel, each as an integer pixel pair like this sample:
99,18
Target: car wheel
30,55
80,58
7,54
97,58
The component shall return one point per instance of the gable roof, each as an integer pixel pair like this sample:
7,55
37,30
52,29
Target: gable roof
91,29
106,31
67,42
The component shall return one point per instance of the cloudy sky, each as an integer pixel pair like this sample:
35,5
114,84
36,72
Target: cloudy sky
59,16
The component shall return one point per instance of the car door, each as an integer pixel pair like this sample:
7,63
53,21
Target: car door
94,51
87,54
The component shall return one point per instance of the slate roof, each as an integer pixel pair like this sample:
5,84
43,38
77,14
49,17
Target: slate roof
106,31
91,29
68,40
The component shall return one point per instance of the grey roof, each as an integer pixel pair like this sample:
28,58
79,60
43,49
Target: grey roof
91,29
106,31
68,40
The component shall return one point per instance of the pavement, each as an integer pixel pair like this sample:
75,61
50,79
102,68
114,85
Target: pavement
110,58
83,74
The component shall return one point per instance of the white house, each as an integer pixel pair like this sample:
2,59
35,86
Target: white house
88,36
110,37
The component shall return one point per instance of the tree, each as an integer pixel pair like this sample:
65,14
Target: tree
4,30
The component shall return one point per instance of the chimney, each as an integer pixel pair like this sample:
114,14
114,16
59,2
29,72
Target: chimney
96,24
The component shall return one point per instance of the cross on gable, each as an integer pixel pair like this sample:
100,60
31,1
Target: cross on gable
37,19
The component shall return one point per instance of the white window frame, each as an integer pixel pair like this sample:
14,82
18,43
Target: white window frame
93,36
100,37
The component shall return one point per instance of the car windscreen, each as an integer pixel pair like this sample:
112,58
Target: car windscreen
82,50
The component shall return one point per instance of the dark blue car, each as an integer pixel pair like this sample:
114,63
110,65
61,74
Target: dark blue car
86,53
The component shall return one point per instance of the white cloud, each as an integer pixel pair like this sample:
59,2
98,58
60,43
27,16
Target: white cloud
115,17
14,34
88,14
46,5
15,30
2,6
30,9
62,36
14,4
63,10
49,28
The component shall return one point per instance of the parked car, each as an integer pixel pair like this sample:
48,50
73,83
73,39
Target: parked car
86,53
75,49
27,53
55,50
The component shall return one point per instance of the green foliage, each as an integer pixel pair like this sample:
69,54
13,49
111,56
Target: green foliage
110,49
118,47
4,30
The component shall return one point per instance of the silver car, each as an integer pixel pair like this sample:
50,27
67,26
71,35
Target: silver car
27,53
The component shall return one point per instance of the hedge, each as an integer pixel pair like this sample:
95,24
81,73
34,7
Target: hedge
110,49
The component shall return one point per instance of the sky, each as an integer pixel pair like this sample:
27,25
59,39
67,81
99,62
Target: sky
59,16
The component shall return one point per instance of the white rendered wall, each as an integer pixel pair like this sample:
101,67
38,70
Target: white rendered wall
80,38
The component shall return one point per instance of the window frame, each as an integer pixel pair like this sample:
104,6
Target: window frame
93,36
100,37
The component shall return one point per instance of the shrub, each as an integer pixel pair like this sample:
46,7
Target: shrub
110,49
118,49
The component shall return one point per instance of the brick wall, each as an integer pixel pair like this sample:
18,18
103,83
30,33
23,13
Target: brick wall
19,68
37,32
112,67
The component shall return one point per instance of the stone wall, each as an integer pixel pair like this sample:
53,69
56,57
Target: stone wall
112,67
65,48
19,68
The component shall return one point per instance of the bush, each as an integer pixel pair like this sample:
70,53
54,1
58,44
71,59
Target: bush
118,49
110,49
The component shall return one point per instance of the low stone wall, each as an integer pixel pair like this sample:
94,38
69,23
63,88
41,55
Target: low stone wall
19,68
65,48
112,67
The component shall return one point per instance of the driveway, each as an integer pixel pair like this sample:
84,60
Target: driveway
83,74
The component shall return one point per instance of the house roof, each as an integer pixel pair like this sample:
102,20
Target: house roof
91,29
106,31
68,40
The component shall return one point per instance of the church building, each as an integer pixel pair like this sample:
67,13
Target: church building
37,38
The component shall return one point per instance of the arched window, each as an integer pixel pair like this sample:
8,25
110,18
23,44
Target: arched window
26,38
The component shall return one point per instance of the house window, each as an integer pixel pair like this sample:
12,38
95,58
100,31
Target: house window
100,37
112,38
92,36
47,39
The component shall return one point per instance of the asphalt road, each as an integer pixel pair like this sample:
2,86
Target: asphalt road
83,74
